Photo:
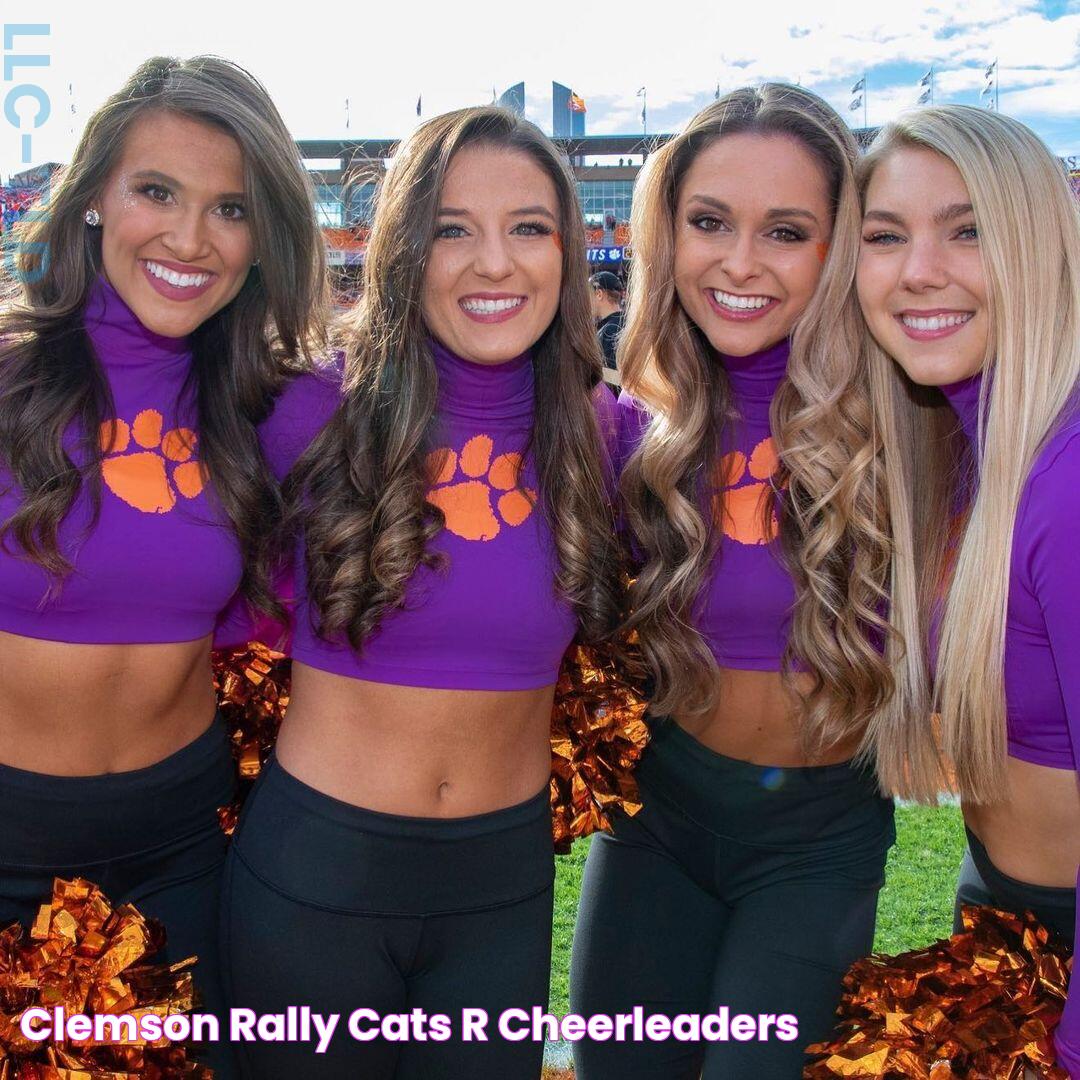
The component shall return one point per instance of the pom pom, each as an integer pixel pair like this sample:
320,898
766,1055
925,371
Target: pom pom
982,1005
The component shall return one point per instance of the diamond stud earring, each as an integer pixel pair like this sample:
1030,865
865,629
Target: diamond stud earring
92,218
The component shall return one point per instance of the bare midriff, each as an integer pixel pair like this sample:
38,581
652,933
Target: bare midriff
416,751
84,710
755,719
1033,833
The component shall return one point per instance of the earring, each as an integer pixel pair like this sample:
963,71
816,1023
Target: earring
92,218
256,262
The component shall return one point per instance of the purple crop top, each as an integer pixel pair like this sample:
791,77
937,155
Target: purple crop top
162,560
492,620
744,610
1042,628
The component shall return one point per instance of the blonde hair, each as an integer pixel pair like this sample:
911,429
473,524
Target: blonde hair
1029,238
820,416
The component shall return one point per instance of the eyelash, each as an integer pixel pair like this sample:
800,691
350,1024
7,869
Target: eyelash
889,238
709,223
149,188
537,228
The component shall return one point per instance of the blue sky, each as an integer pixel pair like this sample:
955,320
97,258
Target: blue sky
381,57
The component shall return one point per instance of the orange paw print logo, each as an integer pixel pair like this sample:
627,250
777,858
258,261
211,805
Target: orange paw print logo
467,501
145,467
742,508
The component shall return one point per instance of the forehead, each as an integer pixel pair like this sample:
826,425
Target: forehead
195,153
916,178
495,178
757,171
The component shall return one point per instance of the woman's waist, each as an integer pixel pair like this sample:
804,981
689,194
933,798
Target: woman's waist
82,710
1032,833
416,750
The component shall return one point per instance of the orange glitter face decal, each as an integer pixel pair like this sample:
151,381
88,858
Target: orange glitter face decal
464,483
146,467
822,250
557,237
740,508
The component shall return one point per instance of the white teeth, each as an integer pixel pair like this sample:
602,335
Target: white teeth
182,281
489,307
935,322
740,303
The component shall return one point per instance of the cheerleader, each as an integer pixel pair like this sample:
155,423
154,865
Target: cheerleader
136,360
969,281
396,855
749,880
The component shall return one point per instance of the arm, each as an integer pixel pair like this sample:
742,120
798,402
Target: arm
299,414
1050,526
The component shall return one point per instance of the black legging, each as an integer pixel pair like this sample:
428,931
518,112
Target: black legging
981,882
149,837
735,885
337,907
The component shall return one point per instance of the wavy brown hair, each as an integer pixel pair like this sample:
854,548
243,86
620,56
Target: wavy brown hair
819,417
363,481
49,373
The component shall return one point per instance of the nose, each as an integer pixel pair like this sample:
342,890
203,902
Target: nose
923,267
493,259
740,261
186,237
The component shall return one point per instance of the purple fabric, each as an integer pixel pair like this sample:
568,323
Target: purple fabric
744,610
1042,631
162,560
492,620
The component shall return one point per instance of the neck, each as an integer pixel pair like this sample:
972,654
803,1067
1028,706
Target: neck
119,337
754,378
483,391
964,396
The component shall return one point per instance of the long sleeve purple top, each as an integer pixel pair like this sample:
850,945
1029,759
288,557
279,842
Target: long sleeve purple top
744,609
162,560
493,619
1042,630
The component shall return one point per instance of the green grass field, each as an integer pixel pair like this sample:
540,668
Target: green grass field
915,906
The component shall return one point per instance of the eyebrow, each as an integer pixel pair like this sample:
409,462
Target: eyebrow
524,211
772,214
942,215
165,178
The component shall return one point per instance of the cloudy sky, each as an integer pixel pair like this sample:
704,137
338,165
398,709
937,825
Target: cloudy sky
382,56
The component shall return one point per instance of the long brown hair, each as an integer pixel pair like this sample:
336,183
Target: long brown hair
49,375
668,363
363,482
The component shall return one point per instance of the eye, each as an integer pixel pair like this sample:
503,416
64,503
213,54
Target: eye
450,232
787,234
883,238
707,222
232,211
967,232
156,192
532,228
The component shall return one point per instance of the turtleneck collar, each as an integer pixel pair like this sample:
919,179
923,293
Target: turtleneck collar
964,396
754,378
118,336
483,391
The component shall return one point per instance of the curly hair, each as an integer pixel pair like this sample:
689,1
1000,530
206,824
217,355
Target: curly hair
49,374
831,528
362,483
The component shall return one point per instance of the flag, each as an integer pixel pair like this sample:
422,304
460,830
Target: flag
927,79
346,114
717,97
856,103
859,86
418,100
924,97
991,69
576,103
